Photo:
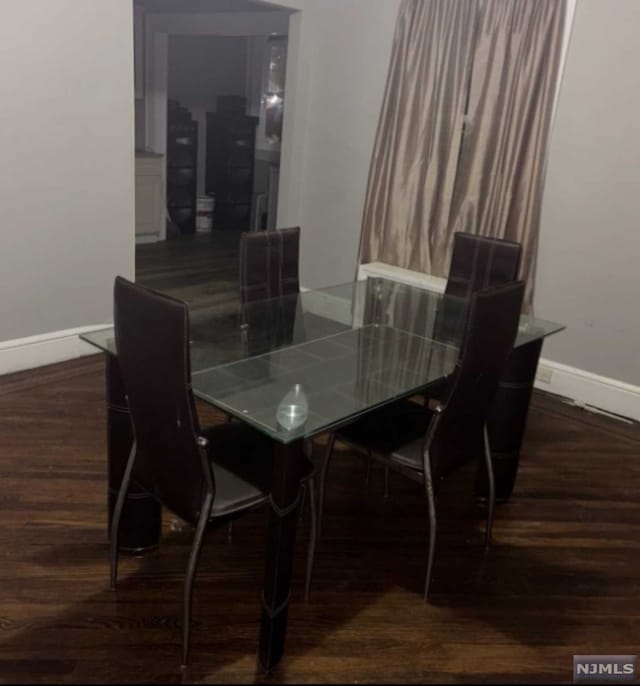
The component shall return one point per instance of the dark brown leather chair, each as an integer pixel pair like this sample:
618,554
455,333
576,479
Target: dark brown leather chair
269,270
269,264
476,262
479,262
427,445
206,477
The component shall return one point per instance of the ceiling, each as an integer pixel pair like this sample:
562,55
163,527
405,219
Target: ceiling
203,6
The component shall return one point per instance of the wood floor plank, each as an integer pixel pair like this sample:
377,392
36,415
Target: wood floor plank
201,269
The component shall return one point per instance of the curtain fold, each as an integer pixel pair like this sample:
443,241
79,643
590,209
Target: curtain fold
417,146
500,176
462,137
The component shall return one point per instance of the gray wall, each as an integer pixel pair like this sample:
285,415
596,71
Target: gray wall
67,165
589,256
203,67
334,94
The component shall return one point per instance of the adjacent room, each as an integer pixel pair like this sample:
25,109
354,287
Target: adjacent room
209,98
319,360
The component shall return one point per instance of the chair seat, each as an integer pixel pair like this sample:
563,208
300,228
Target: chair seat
242,466
457,442
437,389
389,428
410,454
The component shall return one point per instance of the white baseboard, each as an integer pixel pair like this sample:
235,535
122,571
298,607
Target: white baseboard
36,351
143,238
329,305
587,389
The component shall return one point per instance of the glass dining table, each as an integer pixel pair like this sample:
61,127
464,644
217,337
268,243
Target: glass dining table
346,350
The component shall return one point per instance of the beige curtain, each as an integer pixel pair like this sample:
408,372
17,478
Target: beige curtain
496,60
500,176
417,146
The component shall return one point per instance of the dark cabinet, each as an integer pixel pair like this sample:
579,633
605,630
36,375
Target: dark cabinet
182,166
230,158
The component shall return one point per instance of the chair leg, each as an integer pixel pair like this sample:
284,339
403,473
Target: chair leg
190,575
492,488
323,477
387,472
313,537
117,514
431,503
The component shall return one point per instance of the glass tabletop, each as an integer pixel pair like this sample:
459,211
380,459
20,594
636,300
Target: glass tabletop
298,365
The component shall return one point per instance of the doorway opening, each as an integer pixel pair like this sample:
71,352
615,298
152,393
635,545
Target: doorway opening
210,94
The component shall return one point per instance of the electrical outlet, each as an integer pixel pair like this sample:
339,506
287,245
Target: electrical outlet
544,374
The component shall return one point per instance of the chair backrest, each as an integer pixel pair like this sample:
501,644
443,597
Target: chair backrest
479,262
269,264
490,333
152,341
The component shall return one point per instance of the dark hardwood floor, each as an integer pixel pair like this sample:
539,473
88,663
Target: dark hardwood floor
201,269
561,579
